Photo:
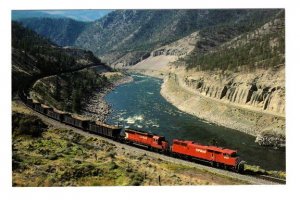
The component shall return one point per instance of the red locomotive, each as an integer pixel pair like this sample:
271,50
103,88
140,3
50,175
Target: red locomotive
215,155
152,141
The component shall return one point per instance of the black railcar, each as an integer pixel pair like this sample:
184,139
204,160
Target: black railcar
76,121
56,114
105,130
29,102
40,107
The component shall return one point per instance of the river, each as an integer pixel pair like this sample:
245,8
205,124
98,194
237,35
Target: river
139,105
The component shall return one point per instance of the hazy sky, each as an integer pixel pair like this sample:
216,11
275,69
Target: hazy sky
81,15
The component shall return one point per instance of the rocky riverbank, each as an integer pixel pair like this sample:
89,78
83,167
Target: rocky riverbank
95,106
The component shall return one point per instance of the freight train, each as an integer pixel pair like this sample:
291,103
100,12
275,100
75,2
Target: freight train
190,150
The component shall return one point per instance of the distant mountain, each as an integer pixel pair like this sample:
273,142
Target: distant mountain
17,15
62,31
80,15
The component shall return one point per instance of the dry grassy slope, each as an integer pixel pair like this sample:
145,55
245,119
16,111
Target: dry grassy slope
159,61
276,25
159,57
65,158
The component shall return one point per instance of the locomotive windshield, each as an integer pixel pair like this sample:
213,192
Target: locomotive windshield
234,155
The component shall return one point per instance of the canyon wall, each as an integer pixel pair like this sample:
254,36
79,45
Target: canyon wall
262,90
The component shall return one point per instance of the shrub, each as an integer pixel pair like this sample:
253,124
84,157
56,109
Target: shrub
27,125
137,179
113,166
112,154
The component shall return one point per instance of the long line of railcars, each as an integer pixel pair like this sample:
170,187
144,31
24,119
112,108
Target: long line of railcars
191,150
95,127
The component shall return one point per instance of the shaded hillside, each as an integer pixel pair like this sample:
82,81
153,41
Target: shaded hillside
263,47
32,56
62,31
68,91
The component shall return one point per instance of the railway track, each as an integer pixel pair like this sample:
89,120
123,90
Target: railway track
248,179
273,179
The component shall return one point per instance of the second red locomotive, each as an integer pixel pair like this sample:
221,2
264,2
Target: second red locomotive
215,155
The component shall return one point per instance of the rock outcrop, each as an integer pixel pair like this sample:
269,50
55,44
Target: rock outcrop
262,92
130,59
178,48
269,139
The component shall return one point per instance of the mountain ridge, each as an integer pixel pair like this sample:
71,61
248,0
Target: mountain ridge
61,31
139,32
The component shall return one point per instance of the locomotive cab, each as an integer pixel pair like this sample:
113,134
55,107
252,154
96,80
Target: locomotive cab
234,155
231,155
232,159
